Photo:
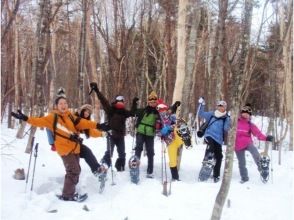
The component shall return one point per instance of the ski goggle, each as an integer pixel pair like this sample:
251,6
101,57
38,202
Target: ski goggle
246,109
119,98
221,103
152,99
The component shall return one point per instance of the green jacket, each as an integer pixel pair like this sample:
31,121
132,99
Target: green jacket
147,118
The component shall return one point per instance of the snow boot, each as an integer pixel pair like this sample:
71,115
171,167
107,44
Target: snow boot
174,173
120,164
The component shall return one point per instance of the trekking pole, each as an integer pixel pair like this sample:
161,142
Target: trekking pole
28,171
110,152
196,123
35,155
272,169
164,173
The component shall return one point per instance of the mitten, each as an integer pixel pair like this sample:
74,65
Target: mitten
103,127
135,100
53,148
19,115
177,103
270,138
174,107
94,87
201,101
165,130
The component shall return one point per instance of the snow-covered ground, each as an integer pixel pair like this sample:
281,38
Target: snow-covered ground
189,198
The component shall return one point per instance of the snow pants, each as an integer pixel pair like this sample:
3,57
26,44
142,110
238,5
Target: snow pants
149,144
216,148
119,142
87,154
72,172
242,160
173,150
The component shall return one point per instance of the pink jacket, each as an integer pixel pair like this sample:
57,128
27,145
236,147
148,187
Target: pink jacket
244,130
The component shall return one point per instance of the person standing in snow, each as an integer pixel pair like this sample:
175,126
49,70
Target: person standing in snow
245,130
147,120
169,134
67,141
116,118
86,153
219,124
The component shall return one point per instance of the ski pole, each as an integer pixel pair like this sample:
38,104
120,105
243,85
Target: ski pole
272,169
35,155
28,171
196,123
110,152
164,173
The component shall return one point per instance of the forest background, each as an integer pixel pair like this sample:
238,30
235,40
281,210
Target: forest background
180,49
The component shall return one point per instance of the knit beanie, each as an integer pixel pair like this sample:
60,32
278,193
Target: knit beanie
152,96
60,95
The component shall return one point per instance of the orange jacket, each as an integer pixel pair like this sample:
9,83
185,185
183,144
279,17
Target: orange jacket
95,133
64,127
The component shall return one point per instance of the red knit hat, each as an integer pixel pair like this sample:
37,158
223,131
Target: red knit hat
161,106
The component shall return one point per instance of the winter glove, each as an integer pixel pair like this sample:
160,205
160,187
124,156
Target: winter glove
135,100
269,138
166,130
201,101
53,148
103,127
94,87
76,138
19,115
175,106
177,103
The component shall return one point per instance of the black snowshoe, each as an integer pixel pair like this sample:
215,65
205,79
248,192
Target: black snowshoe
184,132
264,168
76,198
207,167
134,165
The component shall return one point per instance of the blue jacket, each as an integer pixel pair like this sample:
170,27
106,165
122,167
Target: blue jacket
216,127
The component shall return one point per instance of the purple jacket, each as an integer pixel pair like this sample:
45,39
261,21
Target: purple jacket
244,130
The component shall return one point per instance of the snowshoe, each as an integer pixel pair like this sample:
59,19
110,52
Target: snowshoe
101,174
264,168
150,175
184,132
207,168
102,179
76,198
134,165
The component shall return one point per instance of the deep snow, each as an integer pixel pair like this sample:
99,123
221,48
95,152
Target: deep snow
189,198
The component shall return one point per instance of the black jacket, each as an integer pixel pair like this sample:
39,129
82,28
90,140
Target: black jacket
116,118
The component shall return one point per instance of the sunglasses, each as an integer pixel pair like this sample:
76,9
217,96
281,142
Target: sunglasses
152,99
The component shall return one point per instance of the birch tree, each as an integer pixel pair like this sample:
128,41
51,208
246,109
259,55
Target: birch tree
40,58
238,77
181,50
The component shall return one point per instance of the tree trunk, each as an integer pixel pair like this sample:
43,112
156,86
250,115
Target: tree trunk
82,53
40,58
181,50
237,90
190,61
